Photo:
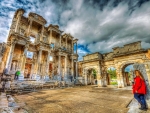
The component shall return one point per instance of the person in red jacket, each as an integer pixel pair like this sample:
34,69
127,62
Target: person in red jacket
139,89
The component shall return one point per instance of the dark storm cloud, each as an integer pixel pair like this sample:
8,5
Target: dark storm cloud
98,24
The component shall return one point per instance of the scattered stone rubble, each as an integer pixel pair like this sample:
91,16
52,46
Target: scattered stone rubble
9,105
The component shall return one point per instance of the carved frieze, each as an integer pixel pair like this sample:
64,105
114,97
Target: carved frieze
91,56
21,42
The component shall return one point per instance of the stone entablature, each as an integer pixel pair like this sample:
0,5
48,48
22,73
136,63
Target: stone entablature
92,56
37,18
132,48
127,48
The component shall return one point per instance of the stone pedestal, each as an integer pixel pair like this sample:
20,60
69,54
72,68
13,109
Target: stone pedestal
21,76
99,83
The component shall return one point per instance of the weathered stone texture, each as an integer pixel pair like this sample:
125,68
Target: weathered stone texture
30,35
120,58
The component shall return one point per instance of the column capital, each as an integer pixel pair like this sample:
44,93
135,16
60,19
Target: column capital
30,21
49,52
13,41
26,46
39,48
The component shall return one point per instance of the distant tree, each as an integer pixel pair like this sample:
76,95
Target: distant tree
94,73
112,73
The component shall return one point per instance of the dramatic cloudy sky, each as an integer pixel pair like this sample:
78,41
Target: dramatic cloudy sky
99,25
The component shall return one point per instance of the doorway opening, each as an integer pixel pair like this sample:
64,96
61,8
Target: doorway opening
128,75
111,76
27,71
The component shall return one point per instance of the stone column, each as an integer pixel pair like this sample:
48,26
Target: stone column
60,40
99,76
59,65
147,68
0,58
66,66
119,78
48,56
29,28
76,69
53,70
1,54
41,37
32,69
18,21
105,79
50,38
10,55
39,62
24,58
85,76
76,48
72,67
72,47
66,42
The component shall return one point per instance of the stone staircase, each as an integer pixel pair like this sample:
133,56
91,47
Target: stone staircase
78,83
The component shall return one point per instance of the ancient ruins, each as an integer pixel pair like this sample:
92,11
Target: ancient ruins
119,58
37,49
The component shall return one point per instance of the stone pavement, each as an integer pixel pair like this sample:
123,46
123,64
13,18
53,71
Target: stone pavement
84,99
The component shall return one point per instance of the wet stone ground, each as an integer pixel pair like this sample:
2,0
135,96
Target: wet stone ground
85,99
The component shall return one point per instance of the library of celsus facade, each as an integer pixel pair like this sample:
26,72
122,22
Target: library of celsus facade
34,48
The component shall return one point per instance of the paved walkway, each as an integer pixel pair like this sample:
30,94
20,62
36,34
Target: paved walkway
85,99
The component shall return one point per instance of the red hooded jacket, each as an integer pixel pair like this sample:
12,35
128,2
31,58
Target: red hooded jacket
139,85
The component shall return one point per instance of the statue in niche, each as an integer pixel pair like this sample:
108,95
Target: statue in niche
69,71
13,66
35,55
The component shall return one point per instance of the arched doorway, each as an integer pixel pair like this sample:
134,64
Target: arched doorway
127,73
111,76
91,76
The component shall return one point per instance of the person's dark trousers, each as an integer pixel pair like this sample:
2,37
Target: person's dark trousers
16,77
140,98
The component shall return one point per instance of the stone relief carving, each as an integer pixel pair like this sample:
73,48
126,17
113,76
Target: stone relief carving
35,56
22,42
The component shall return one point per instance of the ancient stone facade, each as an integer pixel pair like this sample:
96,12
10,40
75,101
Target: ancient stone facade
120,58
34,48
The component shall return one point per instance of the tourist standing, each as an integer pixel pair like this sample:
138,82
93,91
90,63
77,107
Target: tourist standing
17,74
139,89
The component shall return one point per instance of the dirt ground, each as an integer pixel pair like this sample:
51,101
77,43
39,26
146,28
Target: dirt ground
85,99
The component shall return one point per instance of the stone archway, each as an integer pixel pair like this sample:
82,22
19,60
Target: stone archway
89,79
127,76
121,77
111,77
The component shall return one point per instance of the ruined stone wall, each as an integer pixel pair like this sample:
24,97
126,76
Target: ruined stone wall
127,48
92,56
120,58
3,55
